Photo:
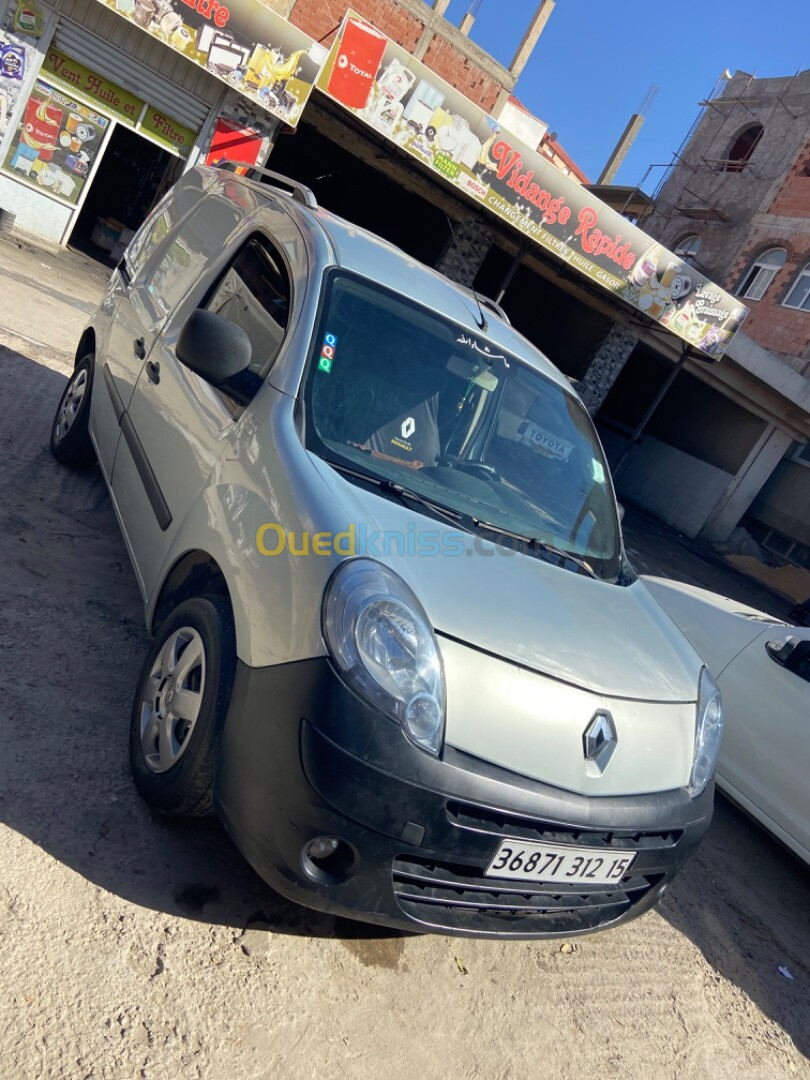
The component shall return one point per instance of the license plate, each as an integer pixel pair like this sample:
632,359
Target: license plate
521,861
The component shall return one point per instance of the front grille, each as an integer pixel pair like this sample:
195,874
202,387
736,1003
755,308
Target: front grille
481,819
458,896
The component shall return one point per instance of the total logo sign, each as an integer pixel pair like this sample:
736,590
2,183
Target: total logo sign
344,62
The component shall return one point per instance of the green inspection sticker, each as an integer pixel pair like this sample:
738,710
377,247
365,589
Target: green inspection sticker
325,364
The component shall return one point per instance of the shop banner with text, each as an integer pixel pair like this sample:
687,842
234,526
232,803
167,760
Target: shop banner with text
243,43
382,85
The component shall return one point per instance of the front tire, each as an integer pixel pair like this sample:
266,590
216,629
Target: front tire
70,434
180,706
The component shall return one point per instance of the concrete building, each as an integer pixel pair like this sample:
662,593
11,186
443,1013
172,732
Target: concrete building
736,205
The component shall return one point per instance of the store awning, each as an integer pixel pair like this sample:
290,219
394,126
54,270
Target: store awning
408,104
245,44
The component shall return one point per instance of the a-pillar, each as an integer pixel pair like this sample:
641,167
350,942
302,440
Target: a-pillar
765,455
604,366
465,251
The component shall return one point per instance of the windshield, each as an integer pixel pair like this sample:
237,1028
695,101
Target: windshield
408,396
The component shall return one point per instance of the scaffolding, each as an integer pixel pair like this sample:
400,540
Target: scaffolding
701,199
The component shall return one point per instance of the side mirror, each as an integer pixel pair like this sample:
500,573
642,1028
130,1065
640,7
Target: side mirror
792,653
213,347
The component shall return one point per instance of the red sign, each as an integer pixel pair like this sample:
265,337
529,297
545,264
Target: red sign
233,143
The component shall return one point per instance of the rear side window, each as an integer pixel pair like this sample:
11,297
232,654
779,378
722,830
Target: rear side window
254,294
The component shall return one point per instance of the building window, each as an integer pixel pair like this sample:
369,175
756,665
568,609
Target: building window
742,148
688,248
761,274
799,295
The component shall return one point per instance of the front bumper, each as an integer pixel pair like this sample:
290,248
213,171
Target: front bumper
303,757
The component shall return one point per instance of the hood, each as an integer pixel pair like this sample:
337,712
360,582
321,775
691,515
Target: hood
718,627
609,639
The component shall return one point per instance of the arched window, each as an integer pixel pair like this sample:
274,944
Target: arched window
799,295
742,147
761,273
688,248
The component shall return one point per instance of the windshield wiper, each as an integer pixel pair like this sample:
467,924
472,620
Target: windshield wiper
404,494
534,543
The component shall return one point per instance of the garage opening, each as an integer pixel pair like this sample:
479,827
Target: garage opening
132,176
357,191
559,324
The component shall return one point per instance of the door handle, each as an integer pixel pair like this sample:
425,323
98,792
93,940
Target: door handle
153,371
139,346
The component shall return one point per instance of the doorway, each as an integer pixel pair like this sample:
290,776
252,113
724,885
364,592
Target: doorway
132,176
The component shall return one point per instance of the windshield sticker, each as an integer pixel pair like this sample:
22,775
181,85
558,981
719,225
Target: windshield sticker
327,357
598,472
485,350
544,442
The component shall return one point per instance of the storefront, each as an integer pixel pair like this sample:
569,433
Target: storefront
103,106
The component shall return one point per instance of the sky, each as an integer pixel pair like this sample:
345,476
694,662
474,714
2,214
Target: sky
595,61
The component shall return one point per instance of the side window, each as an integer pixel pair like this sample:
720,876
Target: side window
190,250
254,293
159,224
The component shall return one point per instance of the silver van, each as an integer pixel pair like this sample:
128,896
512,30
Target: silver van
398,647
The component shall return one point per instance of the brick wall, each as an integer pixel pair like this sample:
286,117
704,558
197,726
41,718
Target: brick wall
462,73
318,19
782,329
793,199
787,225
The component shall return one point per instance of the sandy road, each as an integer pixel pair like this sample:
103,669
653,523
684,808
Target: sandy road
132,948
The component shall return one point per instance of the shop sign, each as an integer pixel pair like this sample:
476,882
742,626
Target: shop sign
167,131
75,77
382,85
245,44
28,18
56,143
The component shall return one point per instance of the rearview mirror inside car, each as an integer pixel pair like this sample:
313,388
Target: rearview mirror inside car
213,347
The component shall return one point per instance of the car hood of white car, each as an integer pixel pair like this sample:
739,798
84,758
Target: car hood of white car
609,639
718,627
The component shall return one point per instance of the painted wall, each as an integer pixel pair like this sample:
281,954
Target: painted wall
676,487
36,213
784,501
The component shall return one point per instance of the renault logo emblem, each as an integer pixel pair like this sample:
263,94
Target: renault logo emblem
408,427
598,742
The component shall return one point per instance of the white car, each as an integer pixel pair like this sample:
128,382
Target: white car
762,666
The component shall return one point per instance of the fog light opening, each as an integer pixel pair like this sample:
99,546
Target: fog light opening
328,860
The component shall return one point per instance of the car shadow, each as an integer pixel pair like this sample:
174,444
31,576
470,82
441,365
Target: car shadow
71,643
744,901
72,640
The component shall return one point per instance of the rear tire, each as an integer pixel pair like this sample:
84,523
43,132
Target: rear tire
70,434
180,706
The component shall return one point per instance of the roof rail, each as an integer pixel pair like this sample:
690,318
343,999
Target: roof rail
299,192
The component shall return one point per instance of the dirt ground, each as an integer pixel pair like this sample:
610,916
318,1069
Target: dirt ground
132,948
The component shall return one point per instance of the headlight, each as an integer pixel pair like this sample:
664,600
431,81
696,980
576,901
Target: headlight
708,730
384,647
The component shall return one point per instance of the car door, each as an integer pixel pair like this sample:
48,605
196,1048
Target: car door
765,754
179,425
129,321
